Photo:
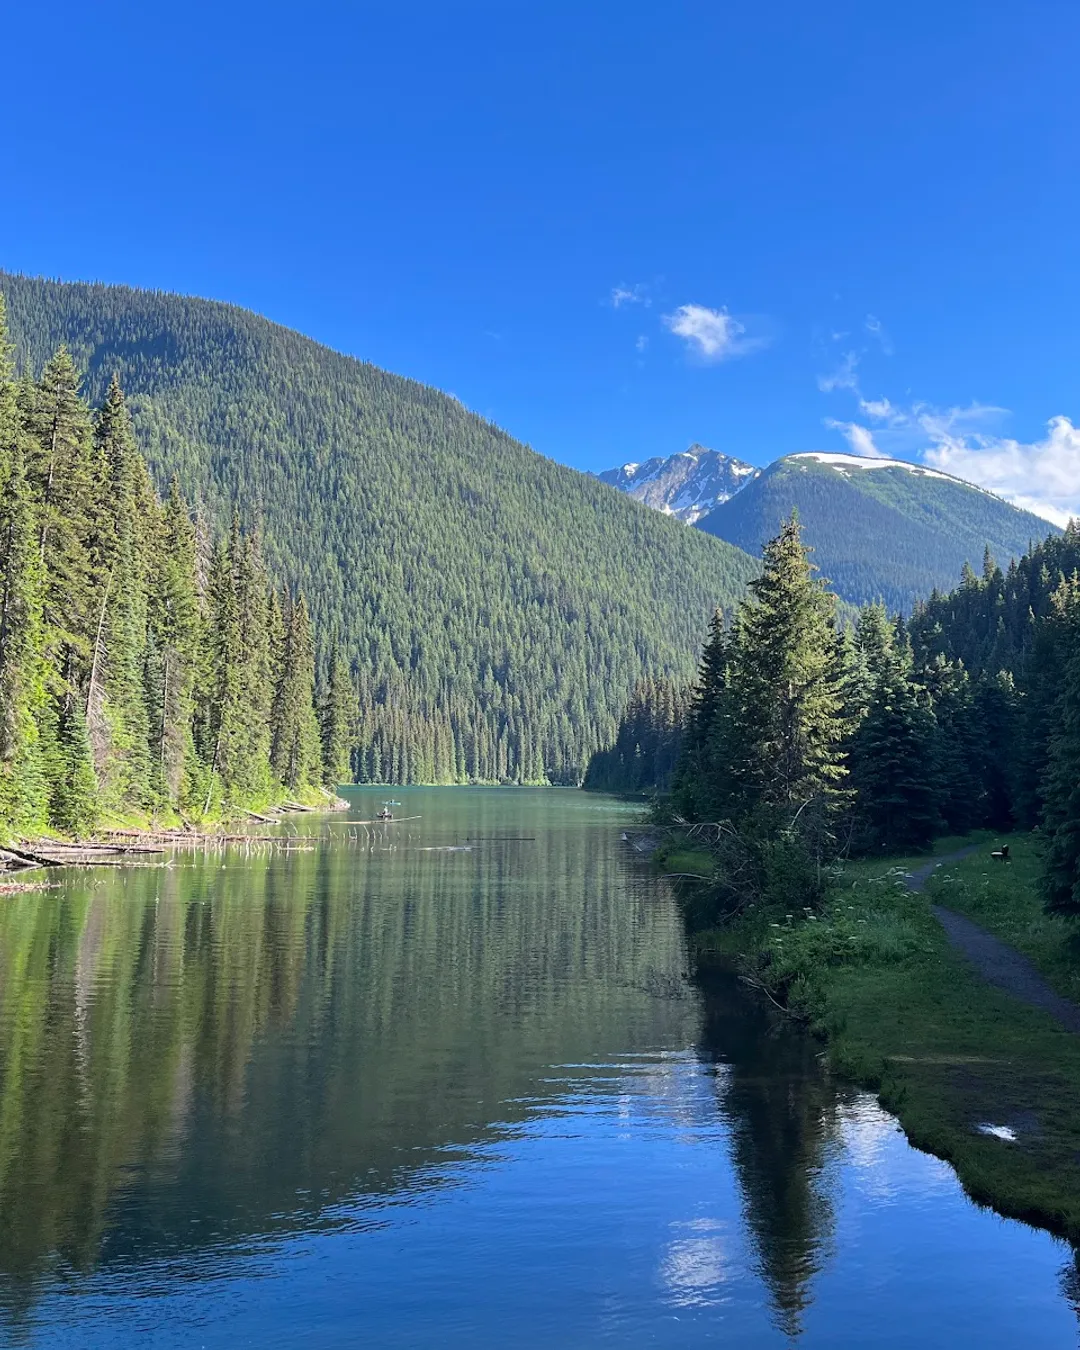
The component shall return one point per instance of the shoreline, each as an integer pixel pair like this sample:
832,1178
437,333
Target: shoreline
972,1073
120,842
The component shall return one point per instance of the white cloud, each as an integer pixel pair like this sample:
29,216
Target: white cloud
879,408
860,439
630,295
1042,476
642,342
711,334
843,377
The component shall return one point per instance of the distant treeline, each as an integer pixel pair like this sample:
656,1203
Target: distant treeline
804,740
647,745
146,667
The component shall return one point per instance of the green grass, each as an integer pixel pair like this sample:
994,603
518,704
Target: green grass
904,1014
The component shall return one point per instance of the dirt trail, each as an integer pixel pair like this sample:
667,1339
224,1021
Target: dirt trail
997,962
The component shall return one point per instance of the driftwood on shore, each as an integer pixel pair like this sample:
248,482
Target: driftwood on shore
50,853
193,839
115,847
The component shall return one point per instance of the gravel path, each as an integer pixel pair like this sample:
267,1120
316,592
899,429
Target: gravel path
997,962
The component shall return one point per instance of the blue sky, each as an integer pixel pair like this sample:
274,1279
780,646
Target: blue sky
613,228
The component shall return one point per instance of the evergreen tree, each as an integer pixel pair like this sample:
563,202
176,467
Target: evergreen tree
60,470
691,789
295,752
893,765
74,805
337,723
21,676
995,708
1061,786
117,714
782,739
175,644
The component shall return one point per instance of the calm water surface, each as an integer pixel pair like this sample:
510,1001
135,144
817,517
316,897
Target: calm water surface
445,1083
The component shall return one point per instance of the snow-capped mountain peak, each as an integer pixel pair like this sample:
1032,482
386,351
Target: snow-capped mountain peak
687,485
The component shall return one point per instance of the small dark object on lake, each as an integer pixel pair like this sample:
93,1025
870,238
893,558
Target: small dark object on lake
1002,853
385,814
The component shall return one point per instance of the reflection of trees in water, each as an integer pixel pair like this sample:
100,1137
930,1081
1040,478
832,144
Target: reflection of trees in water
1070,1281
206,1041
783,1114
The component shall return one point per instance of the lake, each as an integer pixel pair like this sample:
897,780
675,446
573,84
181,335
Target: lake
447,1082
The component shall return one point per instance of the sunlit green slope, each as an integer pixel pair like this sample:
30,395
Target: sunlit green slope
498,608
880,530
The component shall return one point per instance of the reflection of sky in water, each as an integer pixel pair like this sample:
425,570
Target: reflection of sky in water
695,1267
879,1163
609,1216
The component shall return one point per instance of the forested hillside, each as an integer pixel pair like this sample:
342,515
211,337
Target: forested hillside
495,608
144,666
880,530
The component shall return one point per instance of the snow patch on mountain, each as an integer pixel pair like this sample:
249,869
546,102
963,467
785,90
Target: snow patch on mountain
844,462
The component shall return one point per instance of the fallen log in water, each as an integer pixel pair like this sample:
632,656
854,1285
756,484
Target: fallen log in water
11,859
34,859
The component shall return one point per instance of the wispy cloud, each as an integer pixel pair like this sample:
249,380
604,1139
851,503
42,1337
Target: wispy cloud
642,342
859,438
843,377
637,294
876,328
712,335
966,440
879,408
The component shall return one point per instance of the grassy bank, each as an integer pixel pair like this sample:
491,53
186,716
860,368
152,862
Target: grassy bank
907,1016
281,807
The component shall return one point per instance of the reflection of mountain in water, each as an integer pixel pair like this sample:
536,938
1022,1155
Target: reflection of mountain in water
203,1052
783,1112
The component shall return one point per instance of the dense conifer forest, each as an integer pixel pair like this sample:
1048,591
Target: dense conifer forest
147,666
647,744
806,740
493,610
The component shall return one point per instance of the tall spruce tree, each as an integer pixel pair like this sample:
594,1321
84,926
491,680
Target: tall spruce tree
175,645
692,789
337,722
295,750
61,471
117,714
22,689
783,738
74,805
